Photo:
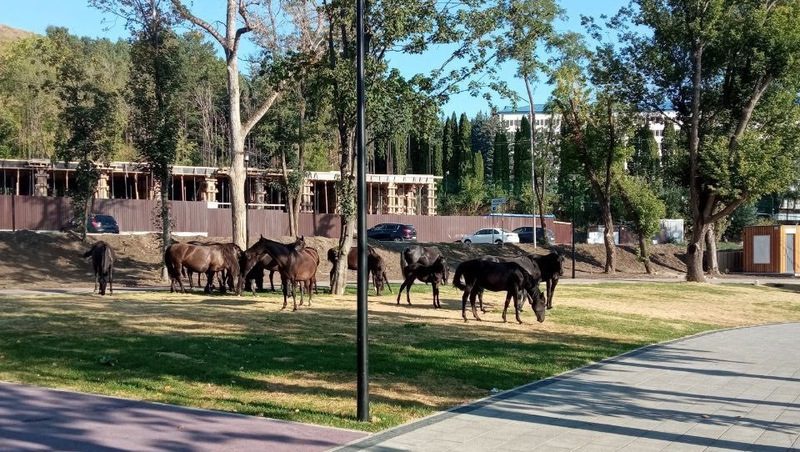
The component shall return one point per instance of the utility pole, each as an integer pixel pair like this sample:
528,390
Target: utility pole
361,227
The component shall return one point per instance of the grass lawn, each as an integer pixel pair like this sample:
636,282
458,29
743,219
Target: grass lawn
244,355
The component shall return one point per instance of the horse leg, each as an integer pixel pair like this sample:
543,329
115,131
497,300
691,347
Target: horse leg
294,298
480,300
271,282
408,290
436,303
111,280
472,295
505,307
517,295
400,292
467,290
551,290
301,286
311,283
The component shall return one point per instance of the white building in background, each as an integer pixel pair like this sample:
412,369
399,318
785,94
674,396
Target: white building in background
512,118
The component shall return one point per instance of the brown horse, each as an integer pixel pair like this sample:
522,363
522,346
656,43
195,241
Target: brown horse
296,264
375,265
435,274
208,259
222,276
103,264
480,274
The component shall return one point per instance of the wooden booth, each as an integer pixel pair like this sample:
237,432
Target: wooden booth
772,249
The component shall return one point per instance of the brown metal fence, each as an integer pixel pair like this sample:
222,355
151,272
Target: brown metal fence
48,213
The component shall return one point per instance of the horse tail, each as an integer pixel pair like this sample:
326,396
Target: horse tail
457,277
170,265
403,264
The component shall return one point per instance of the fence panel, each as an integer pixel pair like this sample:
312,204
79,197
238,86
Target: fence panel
6,212
730,261
190,216
41,213
132,215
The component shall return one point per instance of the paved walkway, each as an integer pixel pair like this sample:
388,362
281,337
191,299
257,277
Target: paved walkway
731,390
42,419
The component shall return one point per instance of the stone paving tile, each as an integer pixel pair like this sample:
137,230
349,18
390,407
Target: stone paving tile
730,390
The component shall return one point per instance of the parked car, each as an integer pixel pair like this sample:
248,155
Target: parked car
96,223
392,231
526,235
491,235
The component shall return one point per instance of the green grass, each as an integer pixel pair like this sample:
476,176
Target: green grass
244,355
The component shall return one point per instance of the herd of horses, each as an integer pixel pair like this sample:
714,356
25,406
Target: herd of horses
297,264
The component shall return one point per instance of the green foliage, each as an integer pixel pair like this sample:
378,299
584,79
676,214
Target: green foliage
462,153
501,172
522,157
644,162
745,215
644,208
484,131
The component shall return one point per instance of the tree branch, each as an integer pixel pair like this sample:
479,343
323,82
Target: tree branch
261,111
184,12
728,209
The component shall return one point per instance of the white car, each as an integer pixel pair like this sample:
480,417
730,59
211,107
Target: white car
491,235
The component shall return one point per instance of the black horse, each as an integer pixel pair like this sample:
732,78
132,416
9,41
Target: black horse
481,274
552,268
103,264
526,262
433,274
418,254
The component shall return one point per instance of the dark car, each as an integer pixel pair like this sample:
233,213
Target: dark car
392,231
526,235
97,223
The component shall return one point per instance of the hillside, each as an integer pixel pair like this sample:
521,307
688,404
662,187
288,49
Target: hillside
10,33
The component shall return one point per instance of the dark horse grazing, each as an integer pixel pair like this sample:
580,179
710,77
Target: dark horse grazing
208,259
418,254
526,262
435,274
375,266
552,267
103,265
498,276
224,276
296,264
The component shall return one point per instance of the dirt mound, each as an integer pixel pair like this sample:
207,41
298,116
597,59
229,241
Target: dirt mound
31,259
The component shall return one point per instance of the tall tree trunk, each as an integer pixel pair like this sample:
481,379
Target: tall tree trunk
711,247
608,236
532,115
694,252
348,210
165,224
644,253
237,171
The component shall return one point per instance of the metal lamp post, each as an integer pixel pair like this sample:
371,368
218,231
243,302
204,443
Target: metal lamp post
246,208
362,347
572,178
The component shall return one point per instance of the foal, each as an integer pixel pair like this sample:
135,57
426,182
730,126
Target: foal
434,274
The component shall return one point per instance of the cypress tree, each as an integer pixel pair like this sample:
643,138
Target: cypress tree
500,170
463,152
522,158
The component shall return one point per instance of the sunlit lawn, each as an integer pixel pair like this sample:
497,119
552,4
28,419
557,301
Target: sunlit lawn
244,355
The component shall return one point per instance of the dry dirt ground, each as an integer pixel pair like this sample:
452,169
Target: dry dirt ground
47,260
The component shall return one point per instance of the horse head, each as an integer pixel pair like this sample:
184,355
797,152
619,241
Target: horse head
299,243
538,303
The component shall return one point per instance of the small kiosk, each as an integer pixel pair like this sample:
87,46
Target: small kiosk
772,249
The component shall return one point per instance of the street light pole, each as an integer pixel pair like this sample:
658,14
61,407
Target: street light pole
246,208
572,180
362,349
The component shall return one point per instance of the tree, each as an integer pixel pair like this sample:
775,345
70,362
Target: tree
522,158
501,173
644,162
644,209
596,122
732,71
463,153
154,94
484,131
89,128
240,19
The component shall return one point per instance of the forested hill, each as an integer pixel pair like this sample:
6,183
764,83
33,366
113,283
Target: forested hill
9,33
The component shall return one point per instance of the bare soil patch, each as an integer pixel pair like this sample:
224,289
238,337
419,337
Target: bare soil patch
31,260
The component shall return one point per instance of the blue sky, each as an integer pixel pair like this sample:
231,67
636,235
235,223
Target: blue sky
81,19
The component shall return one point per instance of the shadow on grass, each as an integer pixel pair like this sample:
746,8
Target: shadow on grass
311,352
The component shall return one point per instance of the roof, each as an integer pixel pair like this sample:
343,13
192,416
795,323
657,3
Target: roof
509,110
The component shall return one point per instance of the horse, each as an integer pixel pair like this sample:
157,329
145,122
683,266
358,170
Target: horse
222,276
526,262
498,276
552,267
296,264
434,274
207,258
103,264
375,266
425,255
255,278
